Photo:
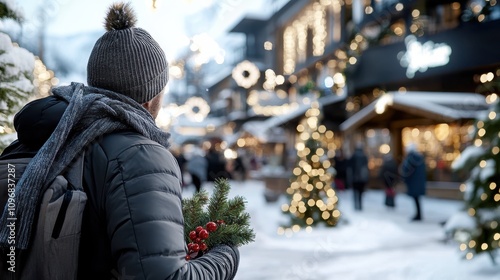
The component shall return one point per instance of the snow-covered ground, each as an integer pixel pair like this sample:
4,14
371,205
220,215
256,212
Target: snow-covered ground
374,244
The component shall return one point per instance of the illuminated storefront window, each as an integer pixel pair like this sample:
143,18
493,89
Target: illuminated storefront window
441,144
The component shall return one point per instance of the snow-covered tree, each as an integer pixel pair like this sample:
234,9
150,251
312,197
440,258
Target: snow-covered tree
16,73
479,230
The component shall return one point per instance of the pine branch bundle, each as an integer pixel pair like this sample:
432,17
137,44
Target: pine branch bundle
233,223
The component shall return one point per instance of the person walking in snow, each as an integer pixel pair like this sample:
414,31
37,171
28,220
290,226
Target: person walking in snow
359,172
197,166
133,223
413,172
389,175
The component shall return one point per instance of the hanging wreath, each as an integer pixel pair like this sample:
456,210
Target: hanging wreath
246,74
196,108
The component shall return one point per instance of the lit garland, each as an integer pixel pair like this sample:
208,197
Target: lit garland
295,35
313,200
246,74
254,98
195,109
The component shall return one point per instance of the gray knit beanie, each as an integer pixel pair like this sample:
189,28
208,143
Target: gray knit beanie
126,59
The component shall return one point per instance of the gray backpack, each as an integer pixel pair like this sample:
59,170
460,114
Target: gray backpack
54,244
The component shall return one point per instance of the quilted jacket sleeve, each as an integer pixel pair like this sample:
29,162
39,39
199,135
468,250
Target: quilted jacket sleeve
145,223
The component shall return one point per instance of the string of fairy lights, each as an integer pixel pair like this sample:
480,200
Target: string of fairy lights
313,199
313,21
482,190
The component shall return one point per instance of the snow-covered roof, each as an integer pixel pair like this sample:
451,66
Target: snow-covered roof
264,133
263,130
301,110
442,106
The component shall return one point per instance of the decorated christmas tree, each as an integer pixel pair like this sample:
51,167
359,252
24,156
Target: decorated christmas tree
313,200
16,73
215,220
478,231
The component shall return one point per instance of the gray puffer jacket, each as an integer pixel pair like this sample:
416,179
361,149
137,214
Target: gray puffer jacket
133,226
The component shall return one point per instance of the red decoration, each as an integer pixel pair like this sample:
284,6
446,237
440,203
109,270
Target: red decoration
198,236
211,226
203,234
195,247
193,235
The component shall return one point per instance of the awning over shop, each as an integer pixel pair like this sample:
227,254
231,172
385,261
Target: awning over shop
433,107
269,130
263,133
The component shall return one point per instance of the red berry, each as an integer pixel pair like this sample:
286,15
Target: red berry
193,235
220,222
198,229
188,257
211,226
203,246
195,247
198,240
203,234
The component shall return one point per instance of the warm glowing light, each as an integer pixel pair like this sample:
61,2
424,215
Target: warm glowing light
384,149
492,115
382,103
463,247
281,231
246,74
268,46
471,212
478,142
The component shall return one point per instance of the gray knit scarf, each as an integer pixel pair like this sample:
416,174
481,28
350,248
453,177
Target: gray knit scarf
91,113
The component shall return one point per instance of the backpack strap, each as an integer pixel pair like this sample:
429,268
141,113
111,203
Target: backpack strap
74,173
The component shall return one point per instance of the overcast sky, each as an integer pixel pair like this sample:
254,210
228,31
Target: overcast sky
170,24
67,17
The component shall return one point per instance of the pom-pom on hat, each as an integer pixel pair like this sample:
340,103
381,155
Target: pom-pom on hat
126,59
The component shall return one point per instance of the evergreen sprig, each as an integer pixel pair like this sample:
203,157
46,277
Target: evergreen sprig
233,222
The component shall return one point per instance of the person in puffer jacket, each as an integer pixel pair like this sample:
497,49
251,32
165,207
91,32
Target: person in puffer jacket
133,226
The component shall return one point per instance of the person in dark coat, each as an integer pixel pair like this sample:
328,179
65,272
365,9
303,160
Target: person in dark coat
341,167
413,172
389,175
216,165
197,166
358,165
133,225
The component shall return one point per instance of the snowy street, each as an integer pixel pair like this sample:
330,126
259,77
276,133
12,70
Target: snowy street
376,243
